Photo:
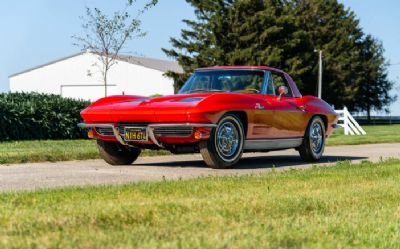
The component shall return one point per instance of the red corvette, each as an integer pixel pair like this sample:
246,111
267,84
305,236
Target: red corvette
220,112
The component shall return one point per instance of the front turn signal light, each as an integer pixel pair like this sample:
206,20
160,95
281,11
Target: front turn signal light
90,133
197,135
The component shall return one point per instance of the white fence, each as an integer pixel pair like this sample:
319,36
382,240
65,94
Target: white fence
350,125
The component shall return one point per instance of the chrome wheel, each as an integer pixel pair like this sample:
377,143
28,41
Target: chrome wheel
225,146
316,138
227,139
313,144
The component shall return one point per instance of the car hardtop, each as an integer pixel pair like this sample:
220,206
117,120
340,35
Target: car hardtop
293,86
241,68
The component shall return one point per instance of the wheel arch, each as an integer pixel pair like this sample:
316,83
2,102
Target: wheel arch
243,118
323,117
211,151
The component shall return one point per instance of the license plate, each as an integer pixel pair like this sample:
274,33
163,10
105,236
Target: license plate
135,134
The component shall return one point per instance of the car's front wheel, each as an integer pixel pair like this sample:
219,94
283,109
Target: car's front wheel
225,146
116,154
313,144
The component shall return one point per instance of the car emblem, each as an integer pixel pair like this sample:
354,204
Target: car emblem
259,106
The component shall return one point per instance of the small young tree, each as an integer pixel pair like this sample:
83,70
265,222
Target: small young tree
106,35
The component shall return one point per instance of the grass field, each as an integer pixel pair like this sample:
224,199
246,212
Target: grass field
53,150
375,134
62,150
344,206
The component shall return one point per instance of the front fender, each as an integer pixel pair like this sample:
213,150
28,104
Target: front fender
116,99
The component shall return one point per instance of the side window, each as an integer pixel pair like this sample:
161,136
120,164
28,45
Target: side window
280,80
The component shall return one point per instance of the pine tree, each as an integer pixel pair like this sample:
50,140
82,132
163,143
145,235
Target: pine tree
334,30
281,34
373,92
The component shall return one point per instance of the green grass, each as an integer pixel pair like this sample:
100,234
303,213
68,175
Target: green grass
375,134
64,150
344,206
53,150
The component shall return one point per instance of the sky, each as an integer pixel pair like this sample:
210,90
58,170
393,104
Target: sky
34,32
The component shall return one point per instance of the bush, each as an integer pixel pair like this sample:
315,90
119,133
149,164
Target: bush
28,116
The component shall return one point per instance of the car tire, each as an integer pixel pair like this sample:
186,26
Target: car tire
224,148
313,145
116,154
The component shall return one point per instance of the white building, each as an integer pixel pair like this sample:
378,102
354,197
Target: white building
78,76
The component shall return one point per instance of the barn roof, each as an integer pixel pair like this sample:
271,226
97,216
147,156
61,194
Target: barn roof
157,64
161,65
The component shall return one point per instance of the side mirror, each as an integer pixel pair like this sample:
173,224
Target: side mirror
282,90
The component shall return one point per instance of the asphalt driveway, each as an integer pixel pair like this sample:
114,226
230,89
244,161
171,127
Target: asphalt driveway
96,172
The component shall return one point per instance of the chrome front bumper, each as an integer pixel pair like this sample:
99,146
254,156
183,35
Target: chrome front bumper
150,129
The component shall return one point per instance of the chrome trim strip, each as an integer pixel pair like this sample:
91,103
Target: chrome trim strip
84,125
118,136
153,137
270,144
150,127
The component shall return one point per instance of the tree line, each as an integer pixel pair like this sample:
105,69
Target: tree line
285,34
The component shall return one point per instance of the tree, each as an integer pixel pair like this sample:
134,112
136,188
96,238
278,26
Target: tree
106,35
278,33
373,91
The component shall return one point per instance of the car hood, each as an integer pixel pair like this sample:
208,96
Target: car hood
142,109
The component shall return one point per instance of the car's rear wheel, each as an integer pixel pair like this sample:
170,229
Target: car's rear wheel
225,146
116,154
313,144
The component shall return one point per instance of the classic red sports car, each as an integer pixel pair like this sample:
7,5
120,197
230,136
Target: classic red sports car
220,112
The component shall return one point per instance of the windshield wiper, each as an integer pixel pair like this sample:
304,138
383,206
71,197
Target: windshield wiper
206,90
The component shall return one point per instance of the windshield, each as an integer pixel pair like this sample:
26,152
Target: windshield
246,81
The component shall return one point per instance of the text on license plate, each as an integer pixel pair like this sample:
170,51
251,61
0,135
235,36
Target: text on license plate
135,134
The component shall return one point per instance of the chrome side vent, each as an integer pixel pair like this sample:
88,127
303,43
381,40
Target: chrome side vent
180,131
105,131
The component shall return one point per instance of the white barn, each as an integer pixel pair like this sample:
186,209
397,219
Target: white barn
78,76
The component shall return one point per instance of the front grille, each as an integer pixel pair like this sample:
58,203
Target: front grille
105,131
177,131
